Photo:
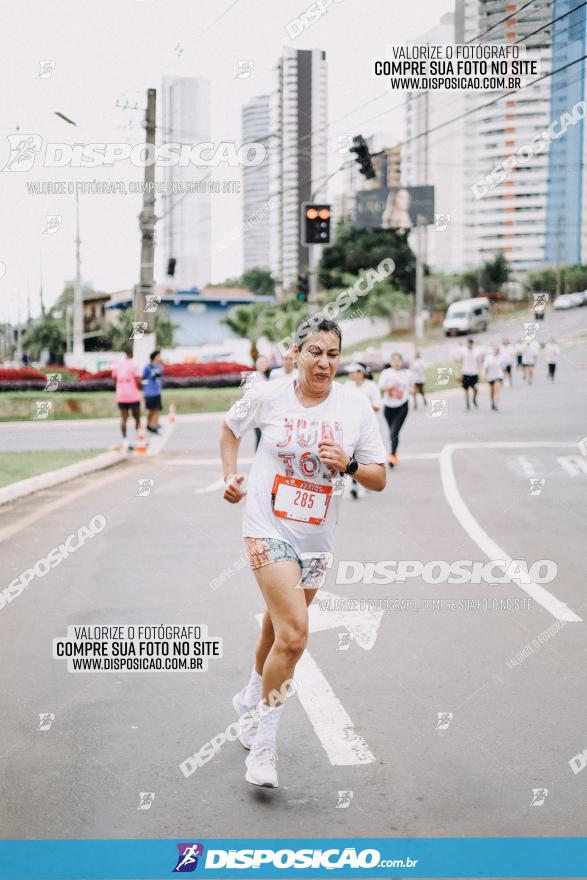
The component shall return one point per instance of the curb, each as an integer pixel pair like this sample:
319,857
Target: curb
61,475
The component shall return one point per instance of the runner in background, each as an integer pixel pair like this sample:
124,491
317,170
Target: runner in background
529,356
492,368
313,429
395,383
507,359
152,388
127,376
287,368
470,366
418,370
358,373
552,352
519,350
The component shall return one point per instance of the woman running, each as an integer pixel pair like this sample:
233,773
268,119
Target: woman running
418,369
395,383
492,366
552,352
312,430
359,374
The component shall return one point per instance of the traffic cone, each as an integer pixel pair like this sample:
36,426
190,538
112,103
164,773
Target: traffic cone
141,447
171,418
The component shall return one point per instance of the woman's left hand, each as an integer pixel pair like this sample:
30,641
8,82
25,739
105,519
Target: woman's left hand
333,455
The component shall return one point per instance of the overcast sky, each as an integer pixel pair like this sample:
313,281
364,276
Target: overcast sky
118,48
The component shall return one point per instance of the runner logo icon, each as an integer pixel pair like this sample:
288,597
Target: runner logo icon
187,859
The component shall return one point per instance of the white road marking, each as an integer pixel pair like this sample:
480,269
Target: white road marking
157,442
334,727
526,465
331,722
363,624
217,484
573,465
487,545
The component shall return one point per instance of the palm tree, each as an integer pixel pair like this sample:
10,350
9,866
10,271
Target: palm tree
252,322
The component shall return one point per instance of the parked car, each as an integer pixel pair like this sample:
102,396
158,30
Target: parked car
576,299
467,316
564,301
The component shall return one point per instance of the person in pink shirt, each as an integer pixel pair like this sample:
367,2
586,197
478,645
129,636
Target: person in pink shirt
127,377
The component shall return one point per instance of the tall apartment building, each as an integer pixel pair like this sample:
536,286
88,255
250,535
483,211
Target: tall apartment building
298,155
566,215
185,232
256,128
512,217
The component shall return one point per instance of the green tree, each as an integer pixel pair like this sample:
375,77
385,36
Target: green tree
495,273
489,278
252,322
355,250
117,336
46,332
259,281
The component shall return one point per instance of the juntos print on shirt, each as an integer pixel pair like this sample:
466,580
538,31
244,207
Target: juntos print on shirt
299,433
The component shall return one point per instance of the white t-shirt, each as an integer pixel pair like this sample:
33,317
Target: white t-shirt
470,361
279,373
507,355
552,353
492,366
290,434
530,353
370,390
399,390
418,370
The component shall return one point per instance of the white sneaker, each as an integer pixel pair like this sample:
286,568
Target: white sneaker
261,766
250,719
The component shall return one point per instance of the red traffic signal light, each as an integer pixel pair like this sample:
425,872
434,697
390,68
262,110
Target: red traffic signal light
315,224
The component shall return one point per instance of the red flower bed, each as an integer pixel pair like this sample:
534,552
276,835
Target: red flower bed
208,368
21,374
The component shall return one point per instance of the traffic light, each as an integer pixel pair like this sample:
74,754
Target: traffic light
315,223
363,156
171,266
302,294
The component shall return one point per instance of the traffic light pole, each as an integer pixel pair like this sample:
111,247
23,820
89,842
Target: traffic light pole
312,275
144,333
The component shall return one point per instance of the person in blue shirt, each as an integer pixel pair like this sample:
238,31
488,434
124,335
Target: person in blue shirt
152,387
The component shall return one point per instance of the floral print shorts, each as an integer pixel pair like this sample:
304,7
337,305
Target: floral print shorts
264,551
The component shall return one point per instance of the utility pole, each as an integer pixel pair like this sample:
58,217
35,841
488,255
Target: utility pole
144,330
78,306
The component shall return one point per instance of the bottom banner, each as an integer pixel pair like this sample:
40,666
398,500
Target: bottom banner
287,857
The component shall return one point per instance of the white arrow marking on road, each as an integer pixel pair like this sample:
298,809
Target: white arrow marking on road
573,465
526,466
217,484
331,722
363,625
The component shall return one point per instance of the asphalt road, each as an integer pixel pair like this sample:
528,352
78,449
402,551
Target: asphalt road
511,728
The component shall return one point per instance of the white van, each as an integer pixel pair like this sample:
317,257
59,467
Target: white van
467,316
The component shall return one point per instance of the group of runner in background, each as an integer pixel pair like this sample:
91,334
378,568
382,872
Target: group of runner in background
130,380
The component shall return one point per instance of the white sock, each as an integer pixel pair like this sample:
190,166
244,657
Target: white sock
267,729
254,688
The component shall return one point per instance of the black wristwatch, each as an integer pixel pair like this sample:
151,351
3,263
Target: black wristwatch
352,467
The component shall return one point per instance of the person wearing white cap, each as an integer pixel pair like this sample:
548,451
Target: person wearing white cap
357,373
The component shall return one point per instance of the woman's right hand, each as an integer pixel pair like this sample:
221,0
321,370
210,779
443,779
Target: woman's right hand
233,492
